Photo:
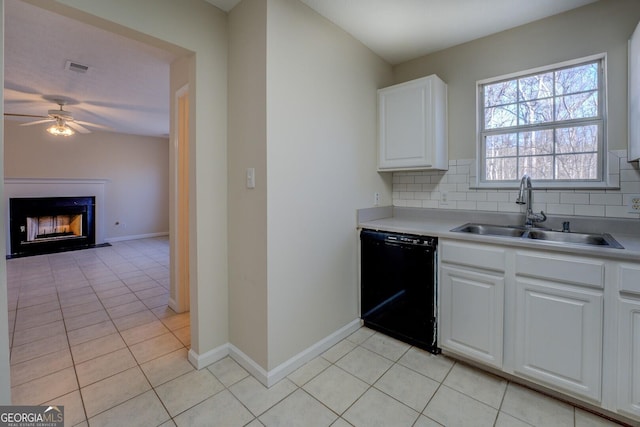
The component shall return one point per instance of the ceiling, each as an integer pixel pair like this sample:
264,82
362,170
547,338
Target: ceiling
400,30
126,87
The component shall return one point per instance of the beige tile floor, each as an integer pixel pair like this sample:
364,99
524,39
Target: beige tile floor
91,330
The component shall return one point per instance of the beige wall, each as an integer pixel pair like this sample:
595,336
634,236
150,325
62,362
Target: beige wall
302,111
248,207
136,167
604,26
321,167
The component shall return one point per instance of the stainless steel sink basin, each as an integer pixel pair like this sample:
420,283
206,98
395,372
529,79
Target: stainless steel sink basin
578,238
589,239
492,230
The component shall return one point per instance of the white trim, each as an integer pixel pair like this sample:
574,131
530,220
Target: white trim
605,181
269,378
135,237
173,306
542,69
200,361
286,368
257,371
56,181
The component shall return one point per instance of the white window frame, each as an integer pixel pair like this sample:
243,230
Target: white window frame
604,180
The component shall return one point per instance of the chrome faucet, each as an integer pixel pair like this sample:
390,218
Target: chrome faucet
524,198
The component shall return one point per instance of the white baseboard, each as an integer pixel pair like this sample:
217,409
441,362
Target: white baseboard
269,378
135,237
173,305
200,361
249,364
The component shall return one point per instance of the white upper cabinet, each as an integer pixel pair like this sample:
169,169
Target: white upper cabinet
412,125
634,95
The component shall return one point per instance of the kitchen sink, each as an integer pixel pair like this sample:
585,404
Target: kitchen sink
492,230
561,237
579,238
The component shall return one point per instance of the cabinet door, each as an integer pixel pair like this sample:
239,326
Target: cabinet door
629,356
412,125
629,340
558,337
634,96
471,313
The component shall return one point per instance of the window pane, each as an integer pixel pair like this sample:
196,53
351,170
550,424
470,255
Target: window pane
577,79
536,142
577,166
502,169
577,139
537,167
500,117
579,106
501,145
535,87
501,93
539,111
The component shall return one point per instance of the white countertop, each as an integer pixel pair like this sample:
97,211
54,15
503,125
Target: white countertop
438,223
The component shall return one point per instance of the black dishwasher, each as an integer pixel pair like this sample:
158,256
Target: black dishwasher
398,286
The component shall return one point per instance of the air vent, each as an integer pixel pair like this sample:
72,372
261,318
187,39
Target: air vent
77,67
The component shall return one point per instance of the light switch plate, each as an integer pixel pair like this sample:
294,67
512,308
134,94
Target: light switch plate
251,178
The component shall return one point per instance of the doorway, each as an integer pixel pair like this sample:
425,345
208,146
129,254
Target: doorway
180,298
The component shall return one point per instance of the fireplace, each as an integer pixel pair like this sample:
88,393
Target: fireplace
40,225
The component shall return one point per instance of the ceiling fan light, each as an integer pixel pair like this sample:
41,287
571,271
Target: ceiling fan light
58,129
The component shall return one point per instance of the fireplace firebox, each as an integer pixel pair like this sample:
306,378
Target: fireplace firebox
39,225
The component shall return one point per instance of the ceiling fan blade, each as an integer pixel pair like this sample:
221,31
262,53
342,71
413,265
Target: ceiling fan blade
25,115
131,107
75,126
37,122
93,125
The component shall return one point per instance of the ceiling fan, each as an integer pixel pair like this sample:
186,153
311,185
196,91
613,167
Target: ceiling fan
63,123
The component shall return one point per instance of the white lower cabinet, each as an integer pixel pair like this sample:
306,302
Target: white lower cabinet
545,317
559,322
629,339
471,301
472,320
559,336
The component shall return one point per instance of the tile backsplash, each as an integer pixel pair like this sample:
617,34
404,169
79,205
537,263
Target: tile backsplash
426,189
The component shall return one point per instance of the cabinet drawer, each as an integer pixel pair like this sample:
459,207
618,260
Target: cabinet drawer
567,269
629,278
470,254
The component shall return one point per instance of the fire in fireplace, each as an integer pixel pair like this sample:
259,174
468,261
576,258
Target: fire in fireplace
51,224
53,227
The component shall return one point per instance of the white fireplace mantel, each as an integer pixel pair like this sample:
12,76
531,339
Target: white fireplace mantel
56,187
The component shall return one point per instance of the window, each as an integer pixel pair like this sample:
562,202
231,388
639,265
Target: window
547,123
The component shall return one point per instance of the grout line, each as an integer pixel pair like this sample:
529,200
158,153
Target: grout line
59,281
